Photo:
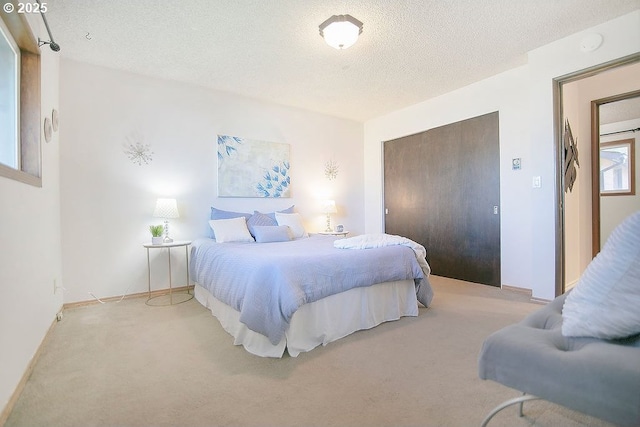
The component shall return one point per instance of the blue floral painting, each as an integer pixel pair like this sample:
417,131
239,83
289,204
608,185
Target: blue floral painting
250,168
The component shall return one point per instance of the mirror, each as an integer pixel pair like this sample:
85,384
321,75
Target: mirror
619,128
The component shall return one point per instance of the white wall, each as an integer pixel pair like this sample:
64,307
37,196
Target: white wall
30,237
524,98
107,201
504,93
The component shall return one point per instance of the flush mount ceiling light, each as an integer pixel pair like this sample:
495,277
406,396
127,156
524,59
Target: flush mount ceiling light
341,31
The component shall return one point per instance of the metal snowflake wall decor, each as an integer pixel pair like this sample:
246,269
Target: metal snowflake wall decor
137,151
331,170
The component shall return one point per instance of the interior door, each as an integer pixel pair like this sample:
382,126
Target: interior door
442,190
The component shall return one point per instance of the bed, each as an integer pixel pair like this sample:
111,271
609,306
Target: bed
297,294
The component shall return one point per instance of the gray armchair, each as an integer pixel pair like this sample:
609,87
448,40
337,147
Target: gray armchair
597,377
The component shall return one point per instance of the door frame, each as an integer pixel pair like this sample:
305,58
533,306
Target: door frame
559,161
595,164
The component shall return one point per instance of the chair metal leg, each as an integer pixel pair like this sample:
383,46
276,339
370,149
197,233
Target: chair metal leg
517,400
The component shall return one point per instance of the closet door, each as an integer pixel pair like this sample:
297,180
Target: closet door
442,190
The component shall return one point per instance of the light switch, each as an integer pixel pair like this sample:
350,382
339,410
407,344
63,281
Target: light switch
536,182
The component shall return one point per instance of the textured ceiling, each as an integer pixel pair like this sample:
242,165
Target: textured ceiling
619,111
409,51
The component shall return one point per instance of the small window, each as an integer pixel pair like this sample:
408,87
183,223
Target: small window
9,99
617,168
20,129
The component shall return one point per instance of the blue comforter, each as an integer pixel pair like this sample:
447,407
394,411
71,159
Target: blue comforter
268,282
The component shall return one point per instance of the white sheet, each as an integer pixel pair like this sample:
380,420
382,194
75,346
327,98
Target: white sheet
323,321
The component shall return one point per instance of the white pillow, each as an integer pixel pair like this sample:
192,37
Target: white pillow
294,222
606,301
231,230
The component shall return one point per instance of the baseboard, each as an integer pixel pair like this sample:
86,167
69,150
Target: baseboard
527,292
130,296
25,377
540,300
570,285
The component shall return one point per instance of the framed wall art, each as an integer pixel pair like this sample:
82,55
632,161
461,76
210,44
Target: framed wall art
251,168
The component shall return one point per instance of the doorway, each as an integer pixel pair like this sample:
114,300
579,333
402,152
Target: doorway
614,135
578,209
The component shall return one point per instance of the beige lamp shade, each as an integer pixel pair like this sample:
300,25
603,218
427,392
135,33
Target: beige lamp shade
329,207
166,208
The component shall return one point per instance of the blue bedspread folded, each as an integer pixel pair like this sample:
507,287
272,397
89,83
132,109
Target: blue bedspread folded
268,282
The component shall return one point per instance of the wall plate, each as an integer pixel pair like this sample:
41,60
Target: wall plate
516,164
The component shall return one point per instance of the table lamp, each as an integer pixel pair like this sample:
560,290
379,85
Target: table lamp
329,207
166,208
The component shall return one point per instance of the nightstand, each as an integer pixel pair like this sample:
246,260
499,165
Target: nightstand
174,298
334,233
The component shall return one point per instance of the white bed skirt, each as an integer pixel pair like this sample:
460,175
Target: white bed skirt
323,321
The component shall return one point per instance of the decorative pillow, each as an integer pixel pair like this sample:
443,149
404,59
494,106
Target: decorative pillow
220,214
289,210
270,233
231,230
259,219
606,301
294,222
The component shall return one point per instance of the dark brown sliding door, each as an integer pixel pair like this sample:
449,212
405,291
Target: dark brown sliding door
442,190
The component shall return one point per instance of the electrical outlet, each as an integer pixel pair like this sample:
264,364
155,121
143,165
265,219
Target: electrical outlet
55,286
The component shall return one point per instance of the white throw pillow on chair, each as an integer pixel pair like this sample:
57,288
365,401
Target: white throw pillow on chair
606,301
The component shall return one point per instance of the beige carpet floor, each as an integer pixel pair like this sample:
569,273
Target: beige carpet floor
128,364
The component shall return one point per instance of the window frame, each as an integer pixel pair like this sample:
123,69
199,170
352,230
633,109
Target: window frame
29,168
631,168
5,34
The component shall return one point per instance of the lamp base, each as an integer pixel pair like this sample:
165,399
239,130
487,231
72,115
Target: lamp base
167,239
328,223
